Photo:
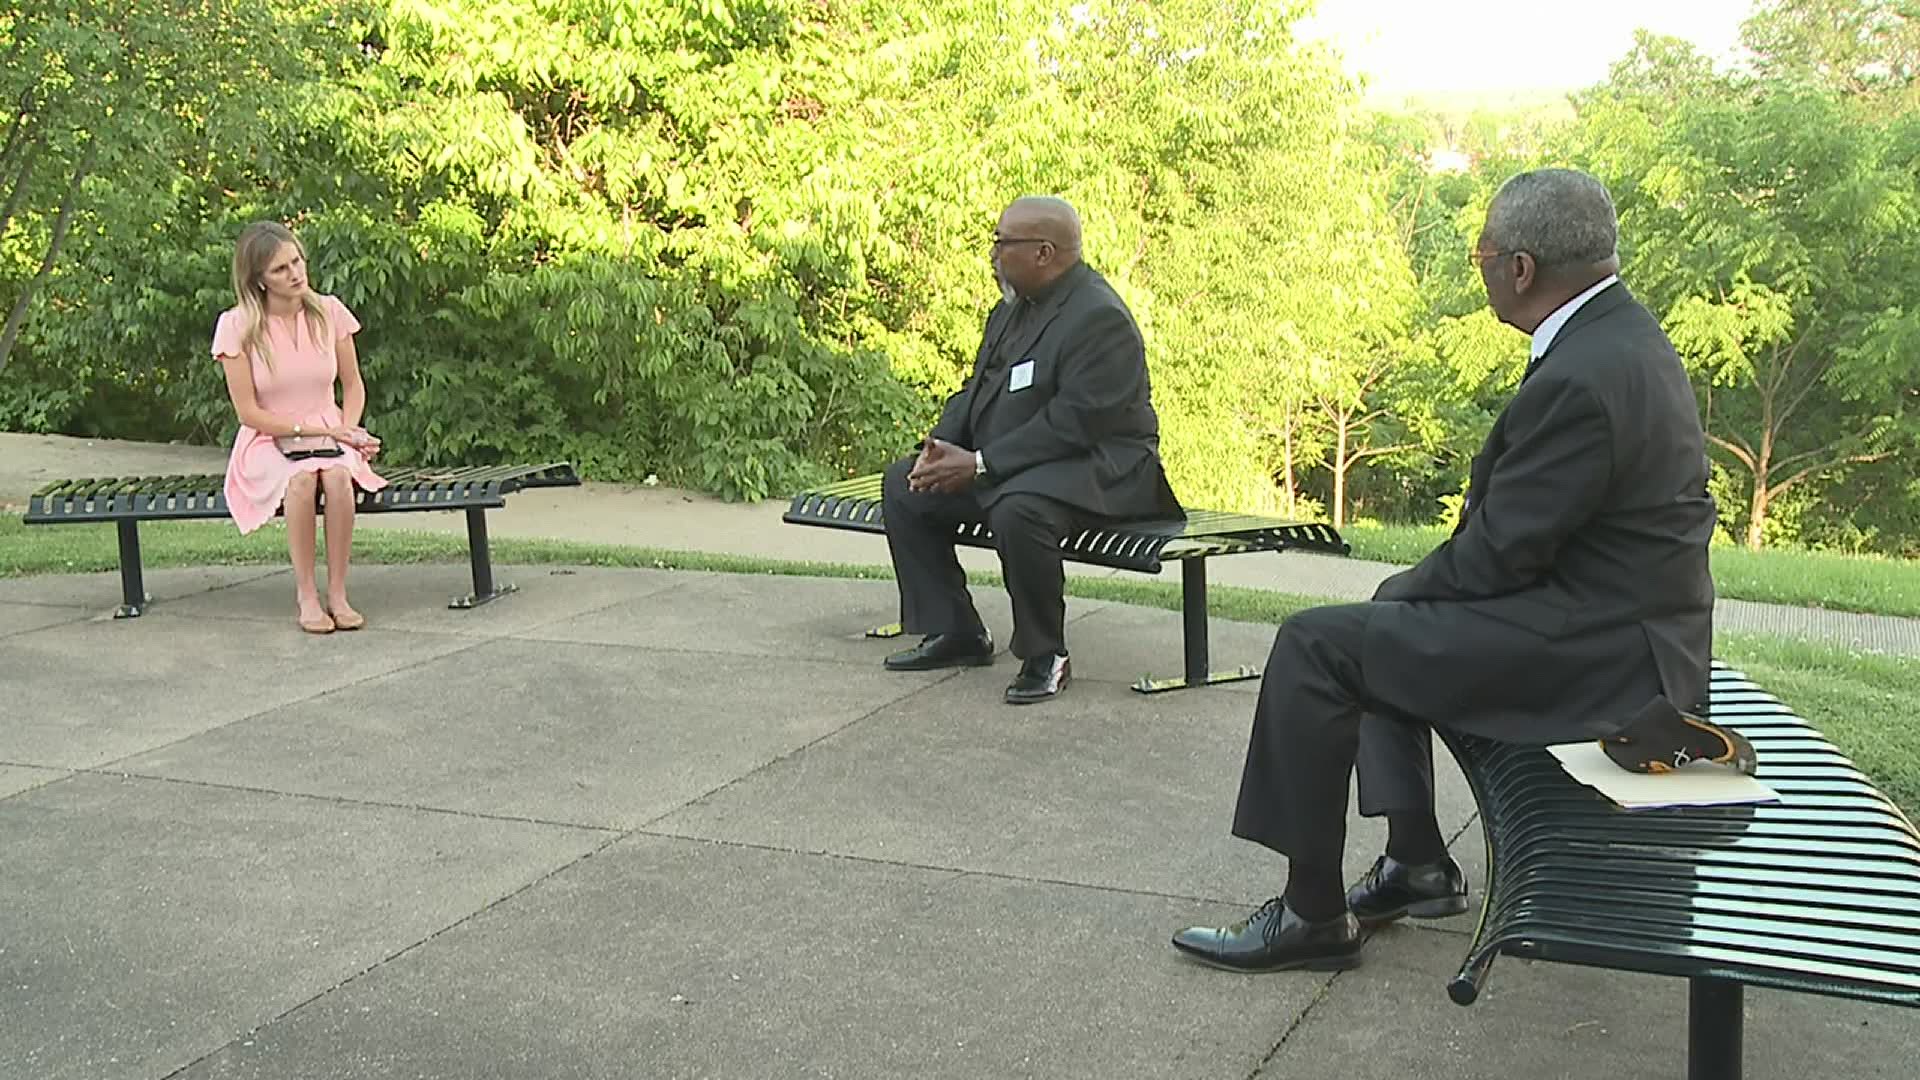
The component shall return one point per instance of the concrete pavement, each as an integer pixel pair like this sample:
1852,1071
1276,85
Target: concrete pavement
630,823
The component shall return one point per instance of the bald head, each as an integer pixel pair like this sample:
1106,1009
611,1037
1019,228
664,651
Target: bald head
1045,217
1037,241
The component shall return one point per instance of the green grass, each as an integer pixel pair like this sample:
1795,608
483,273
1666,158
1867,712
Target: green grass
1864,702
1804,578
1819,579
1866,583
76,549
81,549
1403,544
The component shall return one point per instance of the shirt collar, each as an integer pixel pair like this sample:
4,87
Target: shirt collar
1059,285
1549,327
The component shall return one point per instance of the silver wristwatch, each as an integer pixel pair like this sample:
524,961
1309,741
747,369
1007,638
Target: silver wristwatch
979,463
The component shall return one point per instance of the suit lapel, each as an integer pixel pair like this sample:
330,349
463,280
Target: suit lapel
1025,336
993,380
997,322
996,328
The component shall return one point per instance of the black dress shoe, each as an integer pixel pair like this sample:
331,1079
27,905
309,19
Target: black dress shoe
944,651
1273,938
1662,739
1392,889
1040,678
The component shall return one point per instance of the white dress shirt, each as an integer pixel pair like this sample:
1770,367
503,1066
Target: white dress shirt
1549,327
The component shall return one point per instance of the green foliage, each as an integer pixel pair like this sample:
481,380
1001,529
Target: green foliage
1863,48
1772,226
739,244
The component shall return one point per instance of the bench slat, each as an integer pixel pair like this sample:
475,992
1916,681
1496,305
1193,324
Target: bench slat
1817,893
183,497
1142,545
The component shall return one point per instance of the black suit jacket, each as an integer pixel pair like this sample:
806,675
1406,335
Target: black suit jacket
1578,574
1084,430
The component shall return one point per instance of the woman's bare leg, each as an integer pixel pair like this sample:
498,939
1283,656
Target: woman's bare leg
339,488
301,543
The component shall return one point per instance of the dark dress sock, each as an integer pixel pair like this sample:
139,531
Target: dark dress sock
1316,893
1414,839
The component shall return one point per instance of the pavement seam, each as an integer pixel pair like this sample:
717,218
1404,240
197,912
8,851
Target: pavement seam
461,634
966,871
91,608
671,587
346,800
802,748
80,618
1320,995
396,954
47,603
932,868
68,774
317,695
264,575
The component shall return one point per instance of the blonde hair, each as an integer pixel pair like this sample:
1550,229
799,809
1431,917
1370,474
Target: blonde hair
258,244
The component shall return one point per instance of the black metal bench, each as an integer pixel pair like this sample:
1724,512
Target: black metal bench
1818,893
1133,545
127,501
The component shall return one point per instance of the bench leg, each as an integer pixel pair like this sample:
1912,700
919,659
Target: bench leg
133,588
1715,1028
1193,613
484,588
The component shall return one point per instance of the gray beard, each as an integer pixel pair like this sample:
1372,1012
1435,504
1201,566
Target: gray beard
1006,291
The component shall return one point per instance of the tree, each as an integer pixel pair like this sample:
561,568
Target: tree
1772,225
106,100
1866,48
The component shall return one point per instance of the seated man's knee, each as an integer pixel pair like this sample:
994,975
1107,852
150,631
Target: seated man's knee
1326,623
893,482
1305,625
1306,620
1021,514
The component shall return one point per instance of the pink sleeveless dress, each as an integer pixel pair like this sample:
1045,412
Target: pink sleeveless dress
298,388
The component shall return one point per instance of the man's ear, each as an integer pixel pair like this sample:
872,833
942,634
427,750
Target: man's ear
1526,272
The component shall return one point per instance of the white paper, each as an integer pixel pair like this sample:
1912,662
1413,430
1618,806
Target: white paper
1698,784
1020,376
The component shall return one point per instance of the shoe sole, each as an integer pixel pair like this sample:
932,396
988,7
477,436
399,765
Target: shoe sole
1444,908
1035,699
965,661
1011,700
1318,963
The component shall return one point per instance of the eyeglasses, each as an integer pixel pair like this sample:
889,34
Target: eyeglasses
1008,241
1476,258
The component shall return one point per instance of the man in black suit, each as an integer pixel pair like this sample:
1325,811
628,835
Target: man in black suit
1054,432
1572,602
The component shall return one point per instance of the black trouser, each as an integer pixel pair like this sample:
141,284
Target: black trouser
1027,531
1316,720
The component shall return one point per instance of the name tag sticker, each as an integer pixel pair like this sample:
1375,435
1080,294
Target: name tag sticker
1020,376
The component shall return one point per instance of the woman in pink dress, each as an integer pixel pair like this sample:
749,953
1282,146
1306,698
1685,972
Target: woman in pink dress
283,347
